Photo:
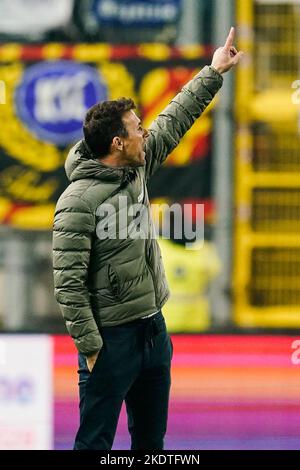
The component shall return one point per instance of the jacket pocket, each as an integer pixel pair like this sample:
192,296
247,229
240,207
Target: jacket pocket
114,282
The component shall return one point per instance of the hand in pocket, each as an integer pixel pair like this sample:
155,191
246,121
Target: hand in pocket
91,361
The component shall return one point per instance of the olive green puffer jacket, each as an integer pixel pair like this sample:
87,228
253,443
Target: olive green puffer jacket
108,281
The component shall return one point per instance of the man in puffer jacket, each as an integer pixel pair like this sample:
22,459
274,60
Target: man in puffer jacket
108,275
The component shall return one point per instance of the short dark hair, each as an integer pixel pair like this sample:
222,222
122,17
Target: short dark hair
103,122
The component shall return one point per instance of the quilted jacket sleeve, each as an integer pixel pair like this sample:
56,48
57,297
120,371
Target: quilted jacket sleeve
178,117
74,225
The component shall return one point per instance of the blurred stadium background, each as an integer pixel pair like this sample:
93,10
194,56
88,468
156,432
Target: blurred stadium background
234,314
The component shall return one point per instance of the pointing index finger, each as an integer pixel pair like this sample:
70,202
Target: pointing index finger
230,39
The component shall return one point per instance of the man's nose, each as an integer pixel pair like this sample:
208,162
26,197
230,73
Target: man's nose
146,133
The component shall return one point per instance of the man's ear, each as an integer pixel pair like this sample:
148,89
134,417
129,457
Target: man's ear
117,143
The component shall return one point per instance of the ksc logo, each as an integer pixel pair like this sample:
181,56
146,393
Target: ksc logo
53,98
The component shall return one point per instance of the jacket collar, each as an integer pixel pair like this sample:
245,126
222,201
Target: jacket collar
81,164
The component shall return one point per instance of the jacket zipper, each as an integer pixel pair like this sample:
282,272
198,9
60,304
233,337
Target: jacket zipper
152,275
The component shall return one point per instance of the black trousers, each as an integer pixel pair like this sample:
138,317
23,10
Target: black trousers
133,365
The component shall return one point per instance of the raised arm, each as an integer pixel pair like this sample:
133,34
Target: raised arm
178,117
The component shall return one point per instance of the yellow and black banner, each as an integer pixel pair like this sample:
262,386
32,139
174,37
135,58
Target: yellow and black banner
48,90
